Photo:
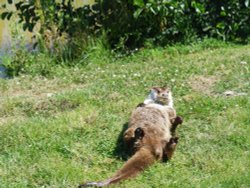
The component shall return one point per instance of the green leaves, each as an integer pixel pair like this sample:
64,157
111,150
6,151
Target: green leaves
139,3
246,3
6,15
220,25
199,8
137,13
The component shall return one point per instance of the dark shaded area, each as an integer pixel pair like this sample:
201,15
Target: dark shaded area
125,150
129,24
122,150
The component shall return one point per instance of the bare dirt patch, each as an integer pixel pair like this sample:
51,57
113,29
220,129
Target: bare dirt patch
203,84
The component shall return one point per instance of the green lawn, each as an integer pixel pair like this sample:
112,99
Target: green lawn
63,130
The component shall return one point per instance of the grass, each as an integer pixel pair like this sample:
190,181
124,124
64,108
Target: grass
62,130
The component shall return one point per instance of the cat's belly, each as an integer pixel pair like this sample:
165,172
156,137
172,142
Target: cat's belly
152,120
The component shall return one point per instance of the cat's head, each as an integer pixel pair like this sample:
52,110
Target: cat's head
161,95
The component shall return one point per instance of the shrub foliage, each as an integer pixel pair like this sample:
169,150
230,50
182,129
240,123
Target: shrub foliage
166,21
130,23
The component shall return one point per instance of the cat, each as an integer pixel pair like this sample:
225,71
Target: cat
149,131
161,98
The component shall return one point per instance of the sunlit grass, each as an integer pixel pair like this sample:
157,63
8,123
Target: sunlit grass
63,130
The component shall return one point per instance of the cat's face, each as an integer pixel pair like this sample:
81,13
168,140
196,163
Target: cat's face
161,95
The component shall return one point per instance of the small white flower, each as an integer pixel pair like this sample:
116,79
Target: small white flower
243,62
50,94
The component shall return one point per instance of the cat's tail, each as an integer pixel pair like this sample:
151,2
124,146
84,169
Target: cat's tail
137,163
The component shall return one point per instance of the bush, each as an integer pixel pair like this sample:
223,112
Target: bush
228,20
131,23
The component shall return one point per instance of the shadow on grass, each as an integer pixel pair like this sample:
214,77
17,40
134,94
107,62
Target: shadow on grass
121,150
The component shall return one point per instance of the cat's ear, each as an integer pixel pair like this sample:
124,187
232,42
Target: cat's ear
166,88
156,89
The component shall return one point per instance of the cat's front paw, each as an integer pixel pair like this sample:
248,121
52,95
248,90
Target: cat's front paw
140,105
178,120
